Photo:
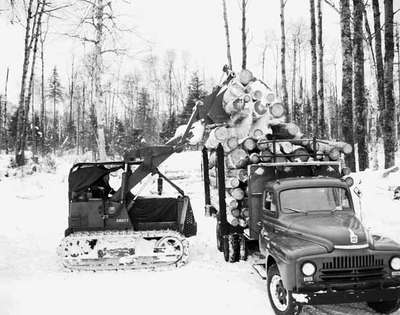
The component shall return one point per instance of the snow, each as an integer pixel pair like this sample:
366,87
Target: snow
34,216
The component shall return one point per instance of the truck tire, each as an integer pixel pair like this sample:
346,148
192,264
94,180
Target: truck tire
385,307
231,248
219,238
243,249
281,299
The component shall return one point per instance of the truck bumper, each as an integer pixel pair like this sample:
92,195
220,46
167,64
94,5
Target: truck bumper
385,291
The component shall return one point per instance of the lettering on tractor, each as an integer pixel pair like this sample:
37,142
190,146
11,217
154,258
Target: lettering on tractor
288,197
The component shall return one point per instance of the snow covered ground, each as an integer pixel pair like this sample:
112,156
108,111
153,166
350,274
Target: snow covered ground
33,218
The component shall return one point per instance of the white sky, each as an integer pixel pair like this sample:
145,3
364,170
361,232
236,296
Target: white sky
194,26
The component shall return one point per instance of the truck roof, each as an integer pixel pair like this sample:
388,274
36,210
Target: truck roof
299,182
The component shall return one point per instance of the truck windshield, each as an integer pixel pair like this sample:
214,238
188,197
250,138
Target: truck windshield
315,199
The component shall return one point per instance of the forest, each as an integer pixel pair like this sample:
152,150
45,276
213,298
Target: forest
350,93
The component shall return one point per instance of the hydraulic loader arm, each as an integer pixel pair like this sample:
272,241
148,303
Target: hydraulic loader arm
152,157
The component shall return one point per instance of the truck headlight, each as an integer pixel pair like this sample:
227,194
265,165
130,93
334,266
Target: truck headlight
395,263
308,269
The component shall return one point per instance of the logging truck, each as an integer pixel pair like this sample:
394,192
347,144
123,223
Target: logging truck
298,212
289,198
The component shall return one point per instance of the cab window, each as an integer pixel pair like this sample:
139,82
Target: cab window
269,203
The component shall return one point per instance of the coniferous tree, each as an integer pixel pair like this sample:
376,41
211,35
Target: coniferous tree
55,94
196,93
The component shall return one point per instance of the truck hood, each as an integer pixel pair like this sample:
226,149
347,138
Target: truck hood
329,229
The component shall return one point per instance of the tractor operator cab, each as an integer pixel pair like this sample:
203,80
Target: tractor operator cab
98,201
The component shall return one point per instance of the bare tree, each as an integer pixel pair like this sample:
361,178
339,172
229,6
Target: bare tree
32,31
389,139
321,105
283,57
228,42
5,112
244,34
360,105
314,95
379,61
347,79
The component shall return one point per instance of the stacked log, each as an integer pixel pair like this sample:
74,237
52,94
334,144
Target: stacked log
256,117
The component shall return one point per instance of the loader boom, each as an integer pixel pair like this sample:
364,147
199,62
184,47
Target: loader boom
152,157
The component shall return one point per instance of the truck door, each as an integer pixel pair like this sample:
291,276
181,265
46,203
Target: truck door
268,218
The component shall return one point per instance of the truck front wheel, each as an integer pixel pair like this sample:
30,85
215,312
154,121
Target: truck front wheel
385,307
280,298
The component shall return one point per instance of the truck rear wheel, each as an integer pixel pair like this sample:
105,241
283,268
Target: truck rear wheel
219,237
385,307
280,298
231,248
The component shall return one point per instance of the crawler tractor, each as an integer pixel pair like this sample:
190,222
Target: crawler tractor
114,230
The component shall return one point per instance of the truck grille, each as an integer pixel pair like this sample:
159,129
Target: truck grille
352,268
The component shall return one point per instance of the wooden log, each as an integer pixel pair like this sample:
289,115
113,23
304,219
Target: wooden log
266,155
245,77
302,155
286,147
260,128
344,147
260,109
233,221
212,160
234,182
241,174
235,213
277,110
243,223
254,158
234,91
285,131
238,158
270,98
257,95
221,133
247,98
237,193
231,202
245,213
232,143
249,144
325,149
234,106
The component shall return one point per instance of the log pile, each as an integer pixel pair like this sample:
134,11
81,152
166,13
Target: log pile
256,117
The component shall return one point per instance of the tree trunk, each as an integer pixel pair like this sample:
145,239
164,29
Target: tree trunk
361,108
379,63
228,42
5,112
314,95
43,97
398,81
389,139
83,131
321,105
294,111
244,35
20,140
347,80
98,69
283,60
